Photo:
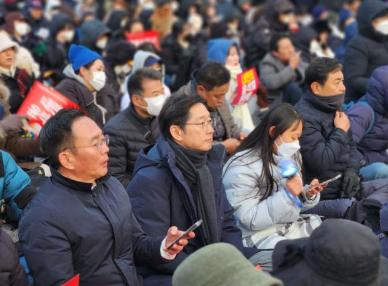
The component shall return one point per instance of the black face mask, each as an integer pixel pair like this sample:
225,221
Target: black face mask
333,102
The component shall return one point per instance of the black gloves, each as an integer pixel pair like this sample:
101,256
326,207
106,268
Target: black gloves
351,185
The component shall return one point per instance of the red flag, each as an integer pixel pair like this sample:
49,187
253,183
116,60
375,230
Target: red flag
144,37
247,85
41,103
73,281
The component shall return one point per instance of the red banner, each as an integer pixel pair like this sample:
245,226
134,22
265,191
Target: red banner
73,281
247,85
40,104
144,37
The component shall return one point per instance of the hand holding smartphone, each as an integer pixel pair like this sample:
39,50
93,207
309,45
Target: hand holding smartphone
185,233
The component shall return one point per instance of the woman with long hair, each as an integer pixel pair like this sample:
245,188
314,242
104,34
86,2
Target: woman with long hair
267,201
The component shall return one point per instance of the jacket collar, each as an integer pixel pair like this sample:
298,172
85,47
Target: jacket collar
131,112
318,104
77,185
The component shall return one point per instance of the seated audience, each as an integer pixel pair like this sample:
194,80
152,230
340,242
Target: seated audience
81,220
263,200
282,71
135,127
211,82
178,181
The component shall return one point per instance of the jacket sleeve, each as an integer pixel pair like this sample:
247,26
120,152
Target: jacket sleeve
118,153
47,249
241,188
15,181
360,117
320,153
274,79
355,68
148,194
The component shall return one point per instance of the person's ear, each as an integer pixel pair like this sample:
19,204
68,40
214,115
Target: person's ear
271,131
176,133
83,72
66,159
201,91
138,101
315,87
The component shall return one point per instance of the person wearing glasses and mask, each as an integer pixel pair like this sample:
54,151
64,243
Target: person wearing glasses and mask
178,181
81,220
135,127
84,78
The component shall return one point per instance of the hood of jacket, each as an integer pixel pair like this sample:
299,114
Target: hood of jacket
377,91
217,49
58,22
368,10
90,31
274,9
69,72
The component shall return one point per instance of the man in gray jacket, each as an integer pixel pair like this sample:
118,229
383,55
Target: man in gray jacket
211,82
282,71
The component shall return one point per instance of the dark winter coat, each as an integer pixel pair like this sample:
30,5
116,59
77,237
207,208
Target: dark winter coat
11,272
373,144
366,51
128,134
70,227
156,191
326,151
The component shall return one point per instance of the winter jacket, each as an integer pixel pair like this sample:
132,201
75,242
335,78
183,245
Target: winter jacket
326,151
232,130
72,227
128,134
156,191
373,143
74,88
241,178
90,31
19,84
11,272
13,181
275,75
366,51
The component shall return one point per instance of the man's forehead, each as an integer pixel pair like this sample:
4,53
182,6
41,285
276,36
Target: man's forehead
85,128
337,74
199,111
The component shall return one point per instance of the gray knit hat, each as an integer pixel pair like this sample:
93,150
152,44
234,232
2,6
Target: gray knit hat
220,264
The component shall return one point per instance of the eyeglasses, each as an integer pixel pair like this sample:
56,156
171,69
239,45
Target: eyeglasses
101,143
203,124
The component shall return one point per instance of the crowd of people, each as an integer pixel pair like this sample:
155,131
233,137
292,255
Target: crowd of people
262,124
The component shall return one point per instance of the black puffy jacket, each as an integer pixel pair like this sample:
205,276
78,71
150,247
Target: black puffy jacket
128,134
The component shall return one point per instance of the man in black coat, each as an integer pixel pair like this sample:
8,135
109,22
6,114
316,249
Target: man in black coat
369,49
81,220
135,127
327,146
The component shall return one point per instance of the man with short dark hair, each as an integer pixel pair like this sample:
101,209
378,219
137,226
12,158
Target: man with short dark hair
282,71
327,146
81,220
211,82
135,127
178,181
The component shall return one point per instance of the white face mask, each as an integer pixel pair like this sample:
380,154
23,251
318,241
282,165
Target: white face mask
288,149
22,28
101,43
122,70
382,27
99,80
69,36
155,104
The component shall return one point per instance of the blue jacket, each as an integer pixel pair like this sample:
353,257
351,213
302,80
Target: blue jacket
326,150
156,191
372,144
70,227
13,180
217,49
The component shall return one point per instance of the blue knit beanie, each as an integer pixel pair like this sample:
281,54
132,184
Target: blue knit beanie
80,56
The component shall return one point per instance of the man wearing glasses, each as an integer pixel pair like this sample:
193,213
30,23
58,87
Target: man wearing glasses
81,220
178,181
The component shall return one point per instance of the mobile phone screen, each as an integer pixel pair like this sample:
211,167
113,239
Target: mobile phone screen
186,232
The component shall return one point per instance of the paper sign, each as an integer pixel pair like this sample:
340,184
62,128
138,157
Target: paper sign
40,104
73,281
144,37
247,85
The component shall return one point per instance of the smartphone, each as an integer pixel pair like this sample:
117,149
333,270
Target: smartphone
331,180
186,232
